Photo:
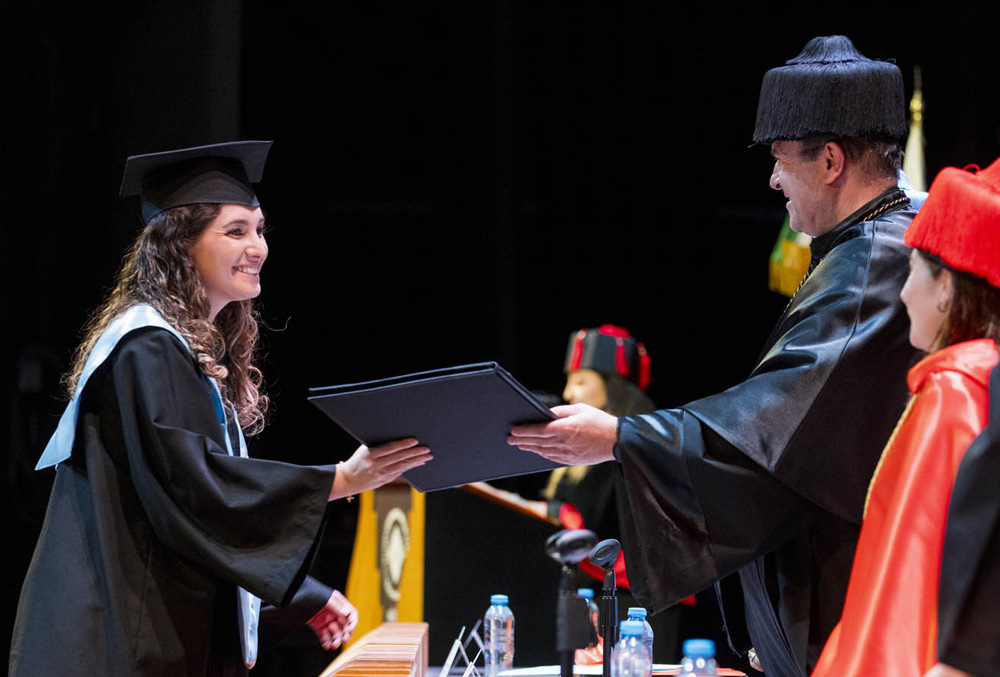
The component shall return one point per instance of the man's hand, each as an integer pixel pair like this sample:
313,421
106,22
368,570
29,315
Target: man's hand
582,435
335,622
371,468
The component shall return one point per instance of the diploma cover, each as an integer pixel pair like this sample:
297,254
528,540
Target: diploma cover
464,414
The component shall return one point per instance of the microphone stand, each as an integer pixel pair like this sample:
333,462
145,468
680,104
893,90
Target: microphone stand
604,555
573,627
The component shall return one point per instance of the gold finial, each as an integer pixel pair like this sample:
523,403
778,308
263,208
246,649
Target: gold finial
917,101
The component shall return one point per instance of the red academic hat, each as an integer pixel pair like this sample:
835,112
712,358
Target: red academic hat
609,350
960,221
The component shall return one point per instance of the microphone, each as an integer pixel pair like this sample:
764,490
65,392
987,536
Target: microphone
570,546
604,555
573,627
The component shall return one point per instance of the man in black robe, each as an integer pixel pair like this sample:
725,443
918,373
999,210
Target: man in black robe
760,488
969,596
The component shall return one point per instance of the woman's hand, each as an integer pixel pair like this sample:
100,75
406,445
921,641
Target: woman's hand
335,622
371,468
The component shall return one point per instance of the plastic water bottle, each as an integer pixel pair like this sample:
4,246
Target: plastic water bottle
699,657
630,657
498,636
638,613
588,594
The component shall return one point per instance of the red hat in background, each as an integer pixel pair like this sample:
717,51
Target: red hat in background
609,349
960,221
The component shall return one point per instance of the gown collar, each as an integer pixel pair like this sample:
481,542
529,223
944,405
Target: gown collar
975,359
891,200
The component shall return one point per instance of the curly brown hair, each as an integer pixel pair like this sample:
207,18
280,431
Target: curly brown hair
157,270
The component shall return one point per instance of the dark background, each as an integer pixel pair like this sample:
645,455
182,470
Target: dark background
448,184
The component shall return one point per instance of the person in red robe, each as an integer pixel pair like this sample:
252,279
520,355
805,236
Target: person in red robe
889,624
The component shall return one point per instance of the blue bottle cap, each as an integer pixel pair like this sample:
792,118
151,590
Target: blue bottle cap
632,628
498,600
637,612
699,648
585,592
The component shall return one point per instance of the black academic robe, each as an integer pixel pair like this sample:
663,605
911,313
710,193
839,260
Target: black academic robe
593,497
969,594
768,478
151,525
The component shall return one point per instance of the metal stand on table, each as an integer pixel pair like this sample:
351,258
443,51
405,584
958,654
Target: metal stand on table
573,627
604,555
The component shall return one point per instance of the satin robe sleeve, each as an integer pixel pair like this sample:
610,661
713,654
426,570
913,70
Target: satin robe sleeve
250,521
714,485
693,508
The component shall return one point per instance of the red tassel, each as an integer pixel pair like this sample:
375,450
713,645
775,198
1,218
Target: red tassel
621,363
577,357
645,368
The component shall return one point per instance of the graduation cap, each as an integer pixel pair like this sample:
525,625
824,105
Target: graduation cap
831,88
221,173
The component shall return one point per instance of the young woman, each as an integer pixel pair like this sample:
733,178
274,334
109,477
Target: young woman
889,621
161,536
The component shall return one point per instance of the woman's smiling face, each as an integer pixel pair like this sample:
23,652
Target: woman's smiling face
229,254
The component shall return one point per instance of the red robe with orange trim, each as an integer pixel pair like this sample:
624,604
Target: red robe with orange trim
889,622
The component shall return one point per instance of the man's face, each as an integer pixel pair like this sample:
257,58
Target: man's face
801,180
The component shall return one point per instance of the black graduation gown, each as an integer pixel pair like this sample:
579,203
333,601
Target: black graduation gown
768,478
151,525
969,595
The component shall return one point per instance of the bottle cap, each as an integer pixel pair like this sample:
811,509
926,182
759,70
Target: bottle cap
585,592
702,648
498,600
632,628
637,612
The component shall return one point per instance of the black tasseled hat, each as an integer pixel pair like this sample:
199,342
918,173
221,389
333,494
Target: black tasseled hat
831,88
609,350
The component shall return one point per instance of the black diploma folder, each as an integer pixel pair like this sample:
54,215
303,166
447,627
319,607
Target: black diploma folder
464,414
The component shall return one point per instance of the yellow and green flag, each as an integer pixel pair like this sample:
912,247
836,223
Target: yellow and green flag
789,260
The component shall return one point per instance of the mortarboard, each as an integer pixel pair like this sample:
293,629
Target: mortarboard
221,173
